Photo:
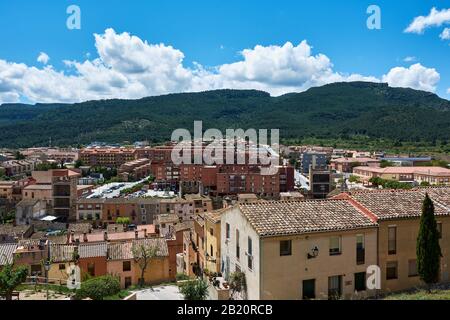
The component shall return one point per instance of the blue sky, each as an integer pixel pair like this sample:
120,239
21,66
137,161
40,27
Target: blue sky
214,32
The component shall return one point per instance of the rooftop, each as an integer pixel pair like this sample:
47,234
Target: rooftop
401,204
407,170
299,217
7,253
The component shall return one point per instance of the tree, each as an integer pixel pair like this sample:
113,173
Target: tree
19,156
78,163
11,278
238,284
99,288
194,289
428,248
143,253
123,220
354,178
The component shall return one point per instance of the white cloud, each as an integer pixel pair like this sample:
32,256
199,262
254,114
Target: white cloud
445,35
43,58
448,90
416,77
128,67
435,18
410,59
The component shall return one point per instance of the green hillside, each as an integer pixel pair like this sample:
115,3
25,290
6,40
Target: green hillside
334,111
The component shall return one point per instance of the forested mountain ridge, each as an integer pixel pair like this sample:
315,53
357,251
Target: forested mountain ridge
332,111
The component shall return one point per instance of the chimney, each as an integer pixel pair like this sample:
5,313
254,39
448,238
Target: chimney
136,234
105,235
85,237
145,233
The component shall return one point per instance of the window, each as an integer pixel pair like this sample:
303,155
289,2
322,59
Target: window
335,246
334,287
360,250
211,231
392,240
211,251
412,268
62,266
249,253
360,281
286,248
126,266
227,231
238,248
391,271
439,228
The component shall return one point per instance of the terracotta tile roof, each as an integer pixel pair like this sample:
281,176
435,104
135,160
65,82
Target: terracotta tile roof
7,253
159,243
407,170
401,204
124,250
61,252
80,227
93,250
274,218
214,216
17,231
120,251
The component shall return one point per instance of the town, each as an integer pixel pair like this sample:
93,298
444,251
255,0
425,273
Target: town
312,230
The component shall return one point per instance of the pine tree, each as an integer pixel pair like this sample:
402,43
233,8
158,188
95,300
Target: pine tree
428,248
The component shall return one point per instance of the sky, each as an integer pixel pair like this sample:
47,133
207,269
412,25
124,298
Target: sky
131,49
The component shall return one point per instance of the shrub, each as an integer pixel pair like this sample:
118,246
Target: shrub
99,288
194,290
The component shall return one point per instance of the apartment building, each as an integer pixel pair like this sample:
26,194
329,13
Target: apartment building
346,165
286,248
107,157
432,175
14,168
212,232
398,216
135,170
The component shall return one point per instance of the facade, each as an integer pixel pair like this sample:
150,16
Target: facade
135,170
431,175
320,182
312,158
285,248
14,168
346,165
398,215
107,157
212,234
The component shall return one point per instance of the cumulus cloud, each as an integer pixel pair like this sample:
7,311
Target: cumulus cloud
445,35
43,58
128,67
416,77
435,18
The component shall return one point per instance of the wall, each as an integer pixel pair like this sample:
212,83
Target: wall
115,268
228,249
282,276
407,232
